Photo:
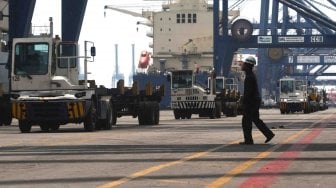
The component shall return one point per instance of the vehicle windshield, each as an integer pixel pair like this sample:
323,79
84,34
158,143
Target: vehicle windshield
300,85
182,79
230,84
287,86
31,58
219,85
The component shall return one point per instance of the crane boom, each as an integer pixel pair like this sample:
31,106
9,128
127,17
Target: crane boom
135,14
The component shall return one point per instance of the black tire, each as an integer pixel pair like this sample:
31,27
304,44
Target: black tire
141,113
232,112
54,127
212,113
150,113
235,111
90,120
24,126
44,127
157,113
109,119
189,115
177,114
100,124
7,118
218,109
5,109
114,114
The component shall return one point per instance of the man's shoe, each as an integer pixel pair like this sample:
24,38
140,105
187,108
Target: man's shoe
246,143
269,138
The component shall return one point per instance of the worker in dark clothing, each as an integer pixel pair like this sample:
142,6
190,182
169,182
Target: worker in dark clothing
251,104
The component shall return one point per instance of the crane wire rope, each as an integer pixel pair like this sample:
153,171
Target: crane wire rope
323,5
236,4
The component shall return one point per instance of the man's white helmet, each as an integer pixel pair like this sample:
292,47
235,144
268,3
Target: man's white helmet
250,60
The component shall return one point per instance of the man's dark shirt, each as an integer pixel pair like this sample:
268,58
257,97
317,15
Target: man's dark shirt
251,96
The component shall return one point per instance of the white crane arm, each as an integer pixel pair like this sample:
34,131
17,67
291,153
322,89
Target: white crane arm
135,14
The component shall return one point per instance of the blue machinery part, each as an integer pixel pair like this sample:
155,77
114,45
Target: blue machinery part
21,13
226,45
72,18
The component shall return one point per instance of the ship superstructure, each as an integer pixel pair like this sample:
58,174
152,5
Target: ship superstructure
182,35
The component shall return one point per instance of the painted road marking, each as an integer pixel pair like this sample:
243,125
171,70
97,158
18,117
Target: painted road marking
191,157
242,167
165,165
278,165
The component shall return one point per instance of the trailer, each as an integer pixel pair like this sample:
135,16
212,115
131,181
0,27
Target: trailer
46,89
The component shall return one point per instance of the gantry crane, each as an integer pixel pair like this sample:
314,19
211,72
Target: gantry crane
276,47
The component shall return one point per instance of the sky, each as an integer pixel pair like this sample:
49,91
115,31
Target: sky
115,28
105,32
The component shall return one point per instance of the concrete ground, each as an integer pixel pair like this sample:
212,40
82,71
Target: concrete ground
195,152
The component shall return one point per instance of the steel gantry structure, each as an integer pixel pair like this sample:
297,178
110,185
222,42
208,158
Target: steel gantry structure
21,13
305,39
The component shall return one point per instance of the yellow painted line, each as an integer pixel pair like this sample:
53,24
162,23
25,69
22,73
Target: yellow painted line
198,155
242,167
161,166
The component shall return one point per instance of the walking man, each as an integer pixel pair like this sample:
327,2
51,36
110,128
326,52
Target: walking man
251,104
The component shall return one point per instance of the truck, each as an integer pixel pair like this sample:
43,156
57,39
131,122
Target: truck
46,90
293,96
190,97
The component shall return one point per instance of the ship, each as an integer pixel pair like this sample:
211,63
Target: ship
182,33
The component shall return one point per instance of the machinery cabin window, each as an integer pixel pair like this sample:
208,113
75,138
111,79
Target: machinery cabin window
182,79
67,55
31,58
230,84
287,86
300,85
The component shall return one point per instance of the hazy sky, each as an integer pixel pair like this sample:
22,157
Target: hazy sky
117,28
114,28
105,32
